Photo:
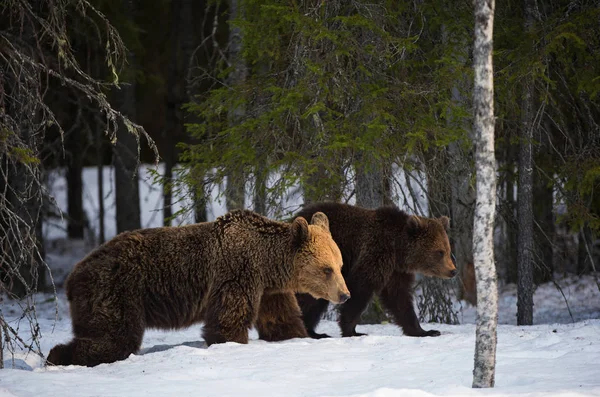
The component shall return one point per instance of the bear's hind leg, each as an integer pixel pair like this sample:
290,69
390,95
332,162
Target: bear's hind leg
280,318
312,310
105,330
107,349
61,354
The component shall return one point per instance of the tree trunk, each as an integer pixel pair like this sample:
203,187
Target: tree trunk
100,179
236,178
525,286
182,42
370,193
462,201
188,43
168,178
170,131
76,217
438,191
483,230
28,246
24,260
125,153
511,216
369,184
461,211
260,192
200,212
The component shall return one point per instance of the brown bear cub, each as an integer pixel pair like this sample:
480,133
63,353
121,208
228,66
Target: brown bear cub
233,273
382,250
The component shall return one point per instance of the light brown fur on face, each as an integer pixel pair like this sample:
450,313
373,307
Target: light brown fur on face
320,264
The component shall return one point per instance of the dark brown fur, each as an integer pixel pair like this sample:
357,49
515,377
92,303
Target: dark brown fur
382,250
231,273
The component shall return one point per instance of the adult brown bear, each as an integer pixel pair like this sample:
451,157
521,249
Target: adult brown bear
228,273
382,250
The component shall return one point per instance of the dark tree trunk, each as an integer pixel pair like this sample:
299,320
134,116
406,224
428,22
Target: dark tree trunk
125,153
370,193
370,184
181,49
24,176
200,213
511,215
438,189
100,181
462,202
260,193
27,204
76,216
126,177
525,257
462,192
168,178
236,178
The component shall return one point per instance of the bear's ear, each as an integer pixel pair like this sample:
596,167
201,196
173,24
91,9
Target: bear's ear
413,224
320,219
299,231
445,222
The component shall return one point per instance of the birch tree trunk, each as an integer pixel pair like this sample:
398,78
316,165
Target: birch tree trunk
483,231
525,196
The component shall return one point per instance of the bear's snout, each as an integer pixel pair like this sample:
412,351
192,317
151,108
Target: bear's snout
344,297
453,273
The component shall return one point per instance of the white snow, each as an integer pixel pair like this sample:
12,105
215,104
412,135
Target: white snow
541,360
559,356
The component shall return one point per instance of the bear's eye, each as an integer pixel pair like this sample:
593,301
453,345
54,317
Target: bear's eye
328,271
440,254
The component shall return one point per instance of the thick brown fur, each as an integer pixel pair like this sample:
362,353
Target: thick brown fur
382,250
232,273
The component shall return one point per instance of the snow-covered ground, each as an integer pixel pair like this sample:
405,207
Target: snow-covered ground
542,360
559,356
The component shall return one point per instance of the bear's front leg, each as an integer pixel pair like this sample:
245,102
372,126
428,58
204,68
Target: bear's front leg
397,297
280,318
353,308
230,314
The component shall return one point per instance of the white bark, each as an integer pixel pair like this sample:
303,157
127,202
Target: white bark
483,248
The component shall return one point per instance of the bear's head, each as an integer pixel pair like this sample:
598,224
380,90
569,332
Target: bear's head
318,260
428,248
